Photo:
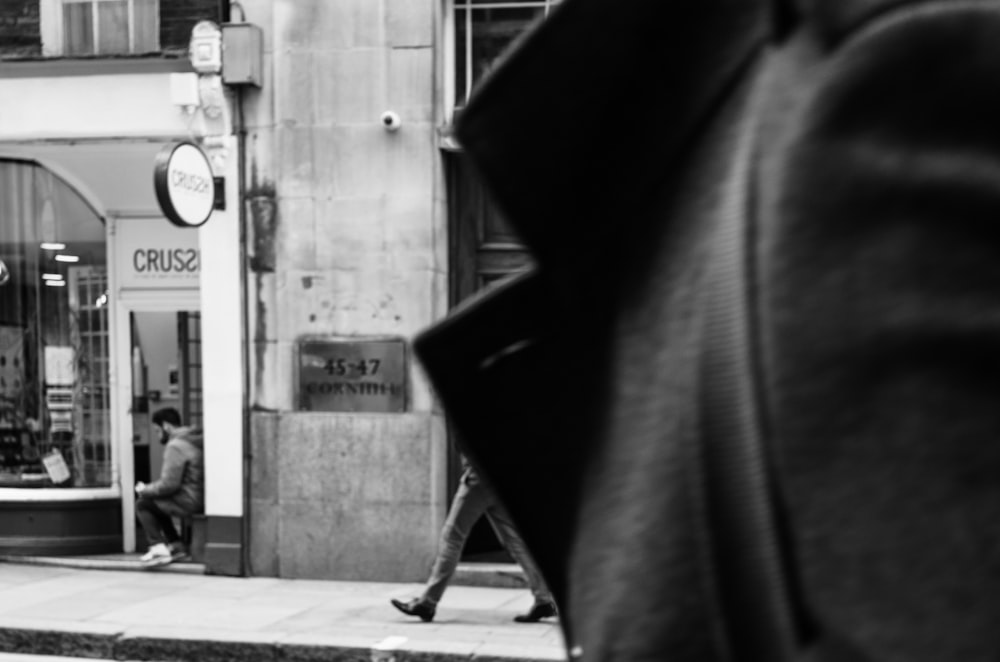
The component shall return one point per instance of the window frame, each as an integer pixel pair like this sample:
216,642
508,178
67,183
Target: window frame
451,59
51,24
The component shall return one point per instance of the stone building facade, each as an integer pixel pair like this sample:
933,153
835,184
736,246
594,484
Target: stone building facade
350,223
354,249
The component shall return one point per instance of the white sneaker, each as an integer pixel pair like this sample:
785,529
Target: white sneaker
158,554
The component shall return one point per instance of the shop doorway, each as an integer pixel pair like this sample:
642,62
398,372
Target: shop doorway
166,370
483,250
160,359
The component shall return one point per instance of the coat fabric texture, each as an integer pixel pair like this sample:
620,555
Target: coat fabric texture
870,212
180,490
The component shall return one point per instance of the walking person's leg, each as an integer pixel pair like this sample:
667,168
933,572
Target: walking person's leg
468,505
544,605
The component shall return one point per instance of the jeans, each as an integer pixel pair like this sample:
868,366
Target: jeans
158,525
472,500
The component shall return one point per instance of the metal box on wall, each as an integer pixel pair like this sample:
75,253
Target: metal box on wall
242,54
341,375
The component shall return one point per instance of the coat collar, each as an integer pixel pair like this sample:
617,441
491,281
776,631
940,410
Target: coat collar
587,115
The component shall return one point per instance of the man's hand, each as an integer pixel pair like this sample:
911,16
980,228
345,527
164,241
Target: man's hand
139,487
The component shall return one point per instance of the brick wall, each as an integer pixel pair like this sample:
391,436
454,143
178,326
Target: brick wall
177,17
20,35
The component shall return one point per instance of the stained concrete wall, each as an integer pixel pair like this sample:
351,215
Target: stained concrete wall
345,497
348,239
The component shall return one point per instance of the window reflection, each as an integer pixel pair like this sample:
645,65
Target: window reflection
54,365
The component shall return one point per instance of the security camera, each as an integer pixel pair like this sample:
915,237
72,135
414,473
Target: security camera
391,121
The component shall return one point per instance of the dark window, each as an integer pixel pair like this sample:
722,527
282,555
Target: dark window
20,28
177,17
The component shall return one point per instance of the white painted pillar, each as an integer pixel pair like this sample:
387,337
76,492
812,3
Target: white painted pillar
222,355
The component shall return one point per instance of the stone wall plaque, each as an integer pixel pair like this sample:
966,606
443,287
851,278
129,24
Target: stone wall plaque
352,375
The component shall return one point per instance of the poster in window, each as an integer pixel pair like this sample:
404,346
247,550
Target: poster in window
56,467
11,373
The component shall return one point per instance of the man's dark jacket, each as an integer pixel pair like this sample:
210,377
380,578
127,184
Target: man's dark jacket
855,147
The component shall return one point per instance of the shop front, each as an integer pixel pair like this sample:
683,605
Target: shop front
57,464
158,342
93,307
102,313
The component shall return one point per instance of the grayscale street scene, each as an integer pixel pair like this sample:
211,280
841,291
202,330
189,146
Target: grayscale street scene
499,330
221,226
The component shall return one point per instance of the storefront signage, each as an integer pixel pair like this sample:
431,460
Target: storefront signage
352,376
153,254
185,186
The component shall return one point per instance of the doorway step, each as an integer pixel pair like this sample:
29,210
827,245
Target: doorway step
490,575
104,562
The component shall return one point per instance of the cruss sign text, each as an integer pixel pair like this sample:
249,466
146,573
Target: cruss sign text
193,183
165,260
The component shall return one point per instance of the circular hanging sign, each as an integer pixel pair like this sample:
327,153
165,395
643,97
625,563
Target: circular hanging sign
185,187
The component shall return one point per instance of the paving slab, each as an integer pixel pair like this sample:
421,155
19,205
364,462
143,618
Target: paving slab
179,617
27,657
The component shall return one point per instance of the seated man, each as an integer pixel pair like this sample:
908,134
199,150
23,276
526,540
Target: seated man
179,492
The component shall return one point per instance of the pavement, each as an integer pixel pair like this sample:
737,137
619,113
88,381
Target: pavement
178,614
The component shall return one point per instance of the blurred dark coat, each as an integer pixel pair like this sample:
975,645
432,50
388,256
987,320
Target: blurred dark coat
609,138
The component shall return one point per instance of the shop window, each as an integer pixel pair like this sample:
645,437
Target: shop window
54,360
482,30
99,27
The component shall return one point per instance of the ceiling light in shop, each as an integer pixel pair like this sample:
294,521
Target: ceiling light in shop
52,246
67,258
52,277
56,283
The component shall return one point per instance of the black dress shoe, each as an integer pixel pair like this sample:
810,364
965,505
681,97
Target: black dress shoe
415,607
538,611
